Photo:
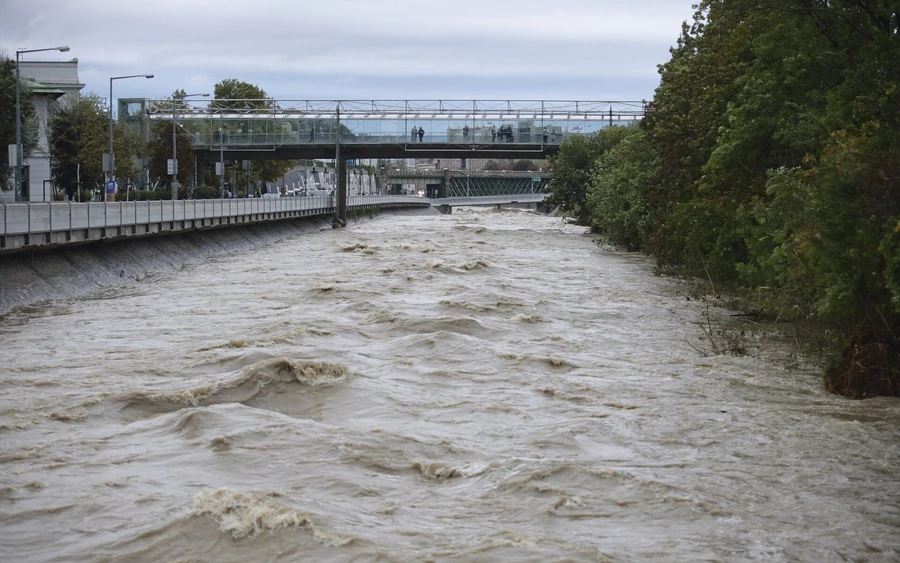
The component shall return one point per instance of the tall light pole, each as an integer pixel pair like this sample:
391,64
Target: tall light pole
62,49
174,142
110,164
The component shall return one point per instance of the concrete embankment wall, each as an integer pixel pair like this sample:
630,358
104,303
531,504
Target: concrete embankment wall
70,272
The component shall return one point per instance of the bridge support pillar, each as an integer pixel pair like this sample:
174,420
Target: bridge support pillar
340,171
341,193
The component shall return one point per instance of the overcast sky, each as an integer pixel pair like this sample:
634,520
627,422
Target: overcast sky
358,49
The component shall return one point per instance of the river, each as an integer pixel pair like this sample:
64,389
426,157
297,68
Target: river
486,386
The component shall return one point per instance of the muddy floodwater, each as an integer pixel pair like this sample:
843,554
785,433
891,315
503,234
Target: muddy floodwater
486,386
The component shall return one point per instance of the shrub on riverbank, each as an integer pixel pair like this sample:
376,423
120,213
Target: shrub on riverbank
144,195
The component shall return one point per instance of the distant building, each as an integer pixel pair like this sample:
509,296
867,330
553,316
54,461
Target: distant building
48,81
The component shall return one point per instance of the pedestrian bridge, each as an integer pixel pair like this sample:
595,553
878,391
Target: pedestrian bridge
293,129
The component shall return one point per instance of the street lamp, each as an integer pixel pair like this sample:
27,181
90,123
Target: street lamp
174,145
19,117
110,165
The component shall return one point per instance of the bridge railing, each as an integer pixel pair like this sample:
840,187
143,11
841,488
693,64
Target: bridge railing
28,225
61,216
416,173
237,123
234,133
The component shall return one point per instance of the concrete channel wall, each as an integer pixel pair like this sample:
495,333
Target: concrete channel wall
29,226
40,276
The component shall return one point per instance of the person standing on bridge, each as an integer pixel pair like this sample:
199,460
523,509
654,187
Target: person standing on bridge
421,134
413,134
546,133
493,133
465,132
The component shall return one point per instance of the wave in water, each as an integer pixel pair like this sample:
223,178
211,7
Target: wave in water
255,512
270,376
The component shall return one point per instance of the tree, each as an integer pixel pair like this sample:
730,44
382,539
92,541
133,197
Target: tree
775,131
160,152
78,137
572,168
524,165
240,96
620,190
8,118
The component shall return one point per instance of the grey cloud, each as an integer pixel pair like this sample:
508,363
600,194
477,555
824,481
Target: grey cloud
471,48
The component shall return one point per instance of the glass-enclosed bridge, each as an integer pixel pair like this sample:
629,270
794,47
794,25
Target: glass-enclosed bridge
258,129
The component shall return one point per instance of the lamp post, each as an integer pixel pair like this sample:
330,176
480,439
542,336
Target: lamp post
110,164
62,49
174,142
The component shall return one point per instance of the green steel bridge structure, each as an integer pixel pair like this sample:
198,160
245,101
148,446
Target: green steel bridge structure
469,183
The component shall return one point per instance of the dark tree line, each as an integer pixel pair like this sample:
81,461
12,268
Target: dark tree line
769,162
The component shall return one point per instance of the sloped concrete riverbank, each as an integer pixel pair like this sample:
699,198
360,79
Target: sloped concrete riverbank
72,272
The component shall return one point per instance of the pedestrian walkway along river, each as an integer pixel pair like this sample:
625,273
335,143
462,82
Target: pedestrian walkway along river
486,386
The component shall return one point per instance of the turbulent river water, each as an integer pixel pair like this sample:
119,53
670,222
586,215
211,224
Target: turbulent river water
486,386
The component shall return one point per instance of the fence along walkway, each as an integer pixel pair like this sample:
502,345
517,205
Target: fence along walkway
25,225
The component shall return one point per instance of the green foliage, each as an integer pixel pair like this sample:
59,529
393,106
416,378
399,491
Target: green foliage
145,195
159,152
524,165
235,94
8,117
206,192
620,190
890,250
779,230
78,136
572,169
769,163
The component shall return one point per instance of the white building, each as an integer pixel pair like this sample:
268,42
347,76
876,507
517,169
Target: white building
48,81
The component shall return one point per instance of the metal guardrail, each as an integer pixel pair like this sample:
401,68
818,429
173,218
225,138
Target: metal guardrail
24,225
45,218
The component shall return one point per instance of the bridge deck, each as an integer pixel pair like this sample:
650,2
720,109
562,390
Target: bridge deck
254,129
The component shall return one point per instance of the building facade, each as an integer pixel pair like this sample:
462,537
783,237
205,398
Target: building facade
48,81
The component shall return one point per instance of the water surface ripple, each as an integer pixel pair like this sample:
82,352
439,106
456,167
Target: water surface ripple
486,386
